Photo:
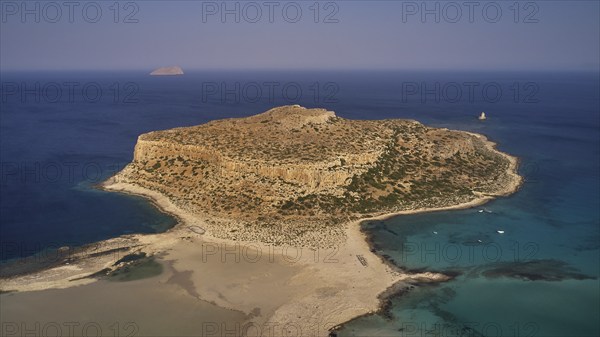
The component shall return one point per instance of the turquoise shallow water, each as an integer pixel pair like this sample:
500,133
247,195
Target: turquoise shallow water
539,278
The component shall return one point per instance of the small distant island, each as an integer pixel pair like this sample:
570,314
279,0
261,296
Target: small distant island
288,177
167,71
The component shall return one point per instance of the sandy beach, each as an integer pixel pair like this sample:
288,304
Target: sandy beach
305,290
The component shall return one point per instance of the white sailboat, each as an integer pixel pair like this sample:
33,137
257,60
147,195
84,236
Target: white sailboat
482,116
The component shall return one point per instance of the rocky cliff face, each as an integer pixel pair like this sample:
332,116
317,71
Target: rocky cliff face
293,173
329,174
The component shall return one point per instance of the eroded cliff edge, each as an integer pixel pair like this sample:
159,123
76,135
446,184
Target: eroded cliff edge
295,176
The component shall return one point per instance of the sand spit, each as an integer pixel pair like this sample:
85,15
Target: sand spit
311,291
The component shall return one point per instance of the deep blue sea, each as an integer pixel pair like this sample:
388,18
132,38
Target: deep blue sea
525,265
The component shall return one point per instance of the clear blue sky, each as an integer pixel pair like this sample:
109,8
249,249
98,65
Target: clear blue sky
560,35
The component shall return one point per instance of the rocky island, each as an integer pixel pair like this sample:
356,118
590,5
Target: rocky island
288,177
167,71
295,176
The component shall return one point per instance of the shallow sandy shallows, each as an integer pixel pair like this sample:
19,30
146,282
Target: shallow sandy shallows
148,307
296,290
277,290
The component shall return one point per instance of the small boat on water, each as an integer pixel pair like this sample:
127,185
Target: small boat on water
482,116
500,232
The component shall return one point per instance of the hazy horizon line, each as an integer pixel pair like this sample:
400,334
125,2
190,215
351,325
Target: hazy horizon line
277,69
